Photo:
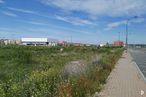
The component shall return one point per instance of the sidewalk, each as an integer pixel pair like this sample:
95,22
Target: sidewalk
125,80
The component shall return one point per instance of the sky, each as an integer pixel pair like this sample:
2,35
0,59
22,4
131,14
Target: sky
85,21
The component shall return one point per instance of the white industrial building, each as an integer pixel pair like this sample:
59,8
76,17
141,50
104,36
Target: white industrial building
39,41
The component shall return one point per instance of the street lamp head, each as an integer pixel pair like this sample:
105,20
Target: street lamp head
135,17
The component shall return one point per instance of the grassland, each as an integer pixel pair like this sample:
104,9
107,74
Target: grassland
27,71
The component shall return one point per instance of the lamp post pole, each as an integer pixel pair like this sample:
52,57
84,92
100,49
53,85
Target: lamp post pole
127,34
119,36
127,29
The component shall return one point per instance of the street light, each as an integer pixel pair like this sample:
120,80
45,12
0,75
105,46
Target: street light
119,36
127,22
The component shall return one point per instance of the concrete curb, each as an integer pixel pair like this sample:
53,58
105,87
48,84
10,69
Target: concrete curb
140,72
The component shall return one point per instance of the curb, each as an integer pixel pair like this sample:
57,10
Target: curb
140,72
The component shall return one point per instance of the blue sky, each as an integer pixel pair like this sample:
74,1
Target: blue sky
86,21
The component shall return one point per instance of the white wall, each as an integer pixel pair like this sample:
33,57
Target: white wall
34,39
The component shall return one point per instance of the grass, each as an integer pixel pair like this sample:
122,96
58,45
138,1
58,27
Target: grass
27,71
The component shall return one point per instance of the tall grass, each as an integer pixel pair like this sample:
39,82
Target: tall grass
38,71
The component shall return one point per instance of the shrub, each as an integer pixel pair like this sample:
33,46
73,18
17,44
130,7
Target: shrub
27,71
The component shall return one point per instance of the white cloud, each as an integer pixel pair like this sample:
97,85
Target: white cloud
74,21
114,25
9,13
37,23
34,22
1,1
64,29
26,11
119,23
101,7
22,10
48,26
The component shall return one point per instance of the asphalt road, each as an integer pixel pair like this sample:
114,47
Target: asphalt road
139,56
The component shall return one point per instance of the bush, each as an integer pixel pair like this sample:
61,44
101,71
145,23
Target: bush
27,71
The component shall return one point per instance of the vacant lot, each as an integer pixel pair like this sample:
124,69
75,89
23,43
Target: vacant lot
48,72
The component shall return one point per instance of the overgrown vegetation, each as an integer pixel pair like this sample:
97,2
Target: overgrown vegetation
27,71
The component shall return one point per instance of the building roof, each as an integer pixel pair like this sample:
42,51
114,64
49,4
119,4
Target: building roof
38,40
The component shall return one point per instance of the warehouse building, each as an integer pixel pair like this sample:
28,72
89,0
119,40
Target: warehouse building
39,41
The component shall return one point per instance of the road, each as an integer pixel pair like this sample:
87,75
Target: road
139,56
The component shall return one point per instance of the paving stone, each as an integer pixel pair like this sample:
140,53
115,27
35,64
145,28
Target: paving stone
125,80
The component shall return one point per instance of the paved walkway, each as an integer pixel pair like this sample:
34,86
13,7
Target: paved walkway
125,80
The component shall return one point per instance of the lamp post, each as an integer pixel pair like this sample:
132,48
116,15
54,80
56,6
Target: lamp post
127,23
127,34
119,36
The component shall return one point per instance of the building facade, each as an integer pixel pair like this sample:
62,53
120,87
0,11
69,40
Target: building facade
39,41
119,44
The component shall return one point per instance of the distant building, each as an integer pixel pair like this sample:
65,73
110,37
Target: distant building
119,43
63,43
39,41
78,44
102,45
18,42
9,42
88,44
2,41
